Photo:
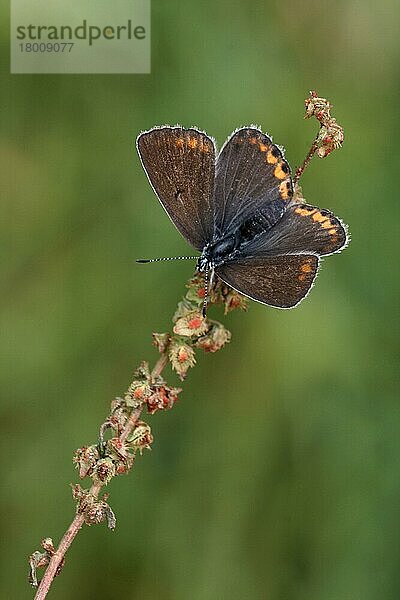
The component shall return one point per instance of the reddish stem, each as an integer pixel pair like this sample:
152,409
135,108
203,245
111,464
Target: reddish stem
300,170
58,556
72,531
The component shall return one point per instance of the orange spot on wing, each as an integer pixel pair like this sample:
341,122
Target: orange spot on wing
279,172
327,224
306,267
253,140
204,148
271,159
192,142
301,277
263,147
179,142
318,217
303,212
285,189
332,231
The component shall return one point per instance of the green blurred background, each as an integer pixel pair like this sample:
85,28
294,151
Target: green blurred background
276,476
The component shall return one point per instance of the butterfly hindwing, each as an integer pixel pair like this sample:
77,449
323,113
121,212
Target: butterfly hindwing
302,229
280,281
252,181
180,164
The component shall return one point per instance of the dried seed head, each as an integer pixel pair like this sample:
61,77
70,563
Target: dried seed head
137,393
77,491
317,107
94,514
233,300
184,307
117,403
330,137
116,449
123,467
85,459
219,292
118,419
109,515
143,371
48,545
196,290
182,358
104,472
192,324
37,560
121,455
161,341
93,510
163,398
141,437
215,339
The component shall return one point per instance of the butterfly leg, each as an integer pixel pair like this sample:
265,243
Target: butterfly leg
208,283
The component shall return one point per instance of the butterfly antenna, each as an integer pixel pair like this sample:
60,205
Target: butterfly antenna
208,282
150,260
205,301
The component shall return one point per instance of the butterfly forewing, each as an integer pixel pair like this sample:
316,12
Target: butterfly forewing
252,181
180,164
280,281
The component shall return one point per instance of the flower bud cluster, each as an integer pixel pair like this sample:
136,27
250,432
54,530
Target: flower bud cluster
192,330
113,457
95,510
146,391
219,294
331,134
40,560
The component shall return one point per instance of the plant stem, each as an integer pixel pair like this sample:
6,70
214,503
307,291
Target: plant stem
300,170
159,366
79,520
59,554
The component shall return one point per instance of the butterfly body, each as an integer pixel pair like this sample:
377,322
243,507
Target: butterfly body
236,207
232,244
